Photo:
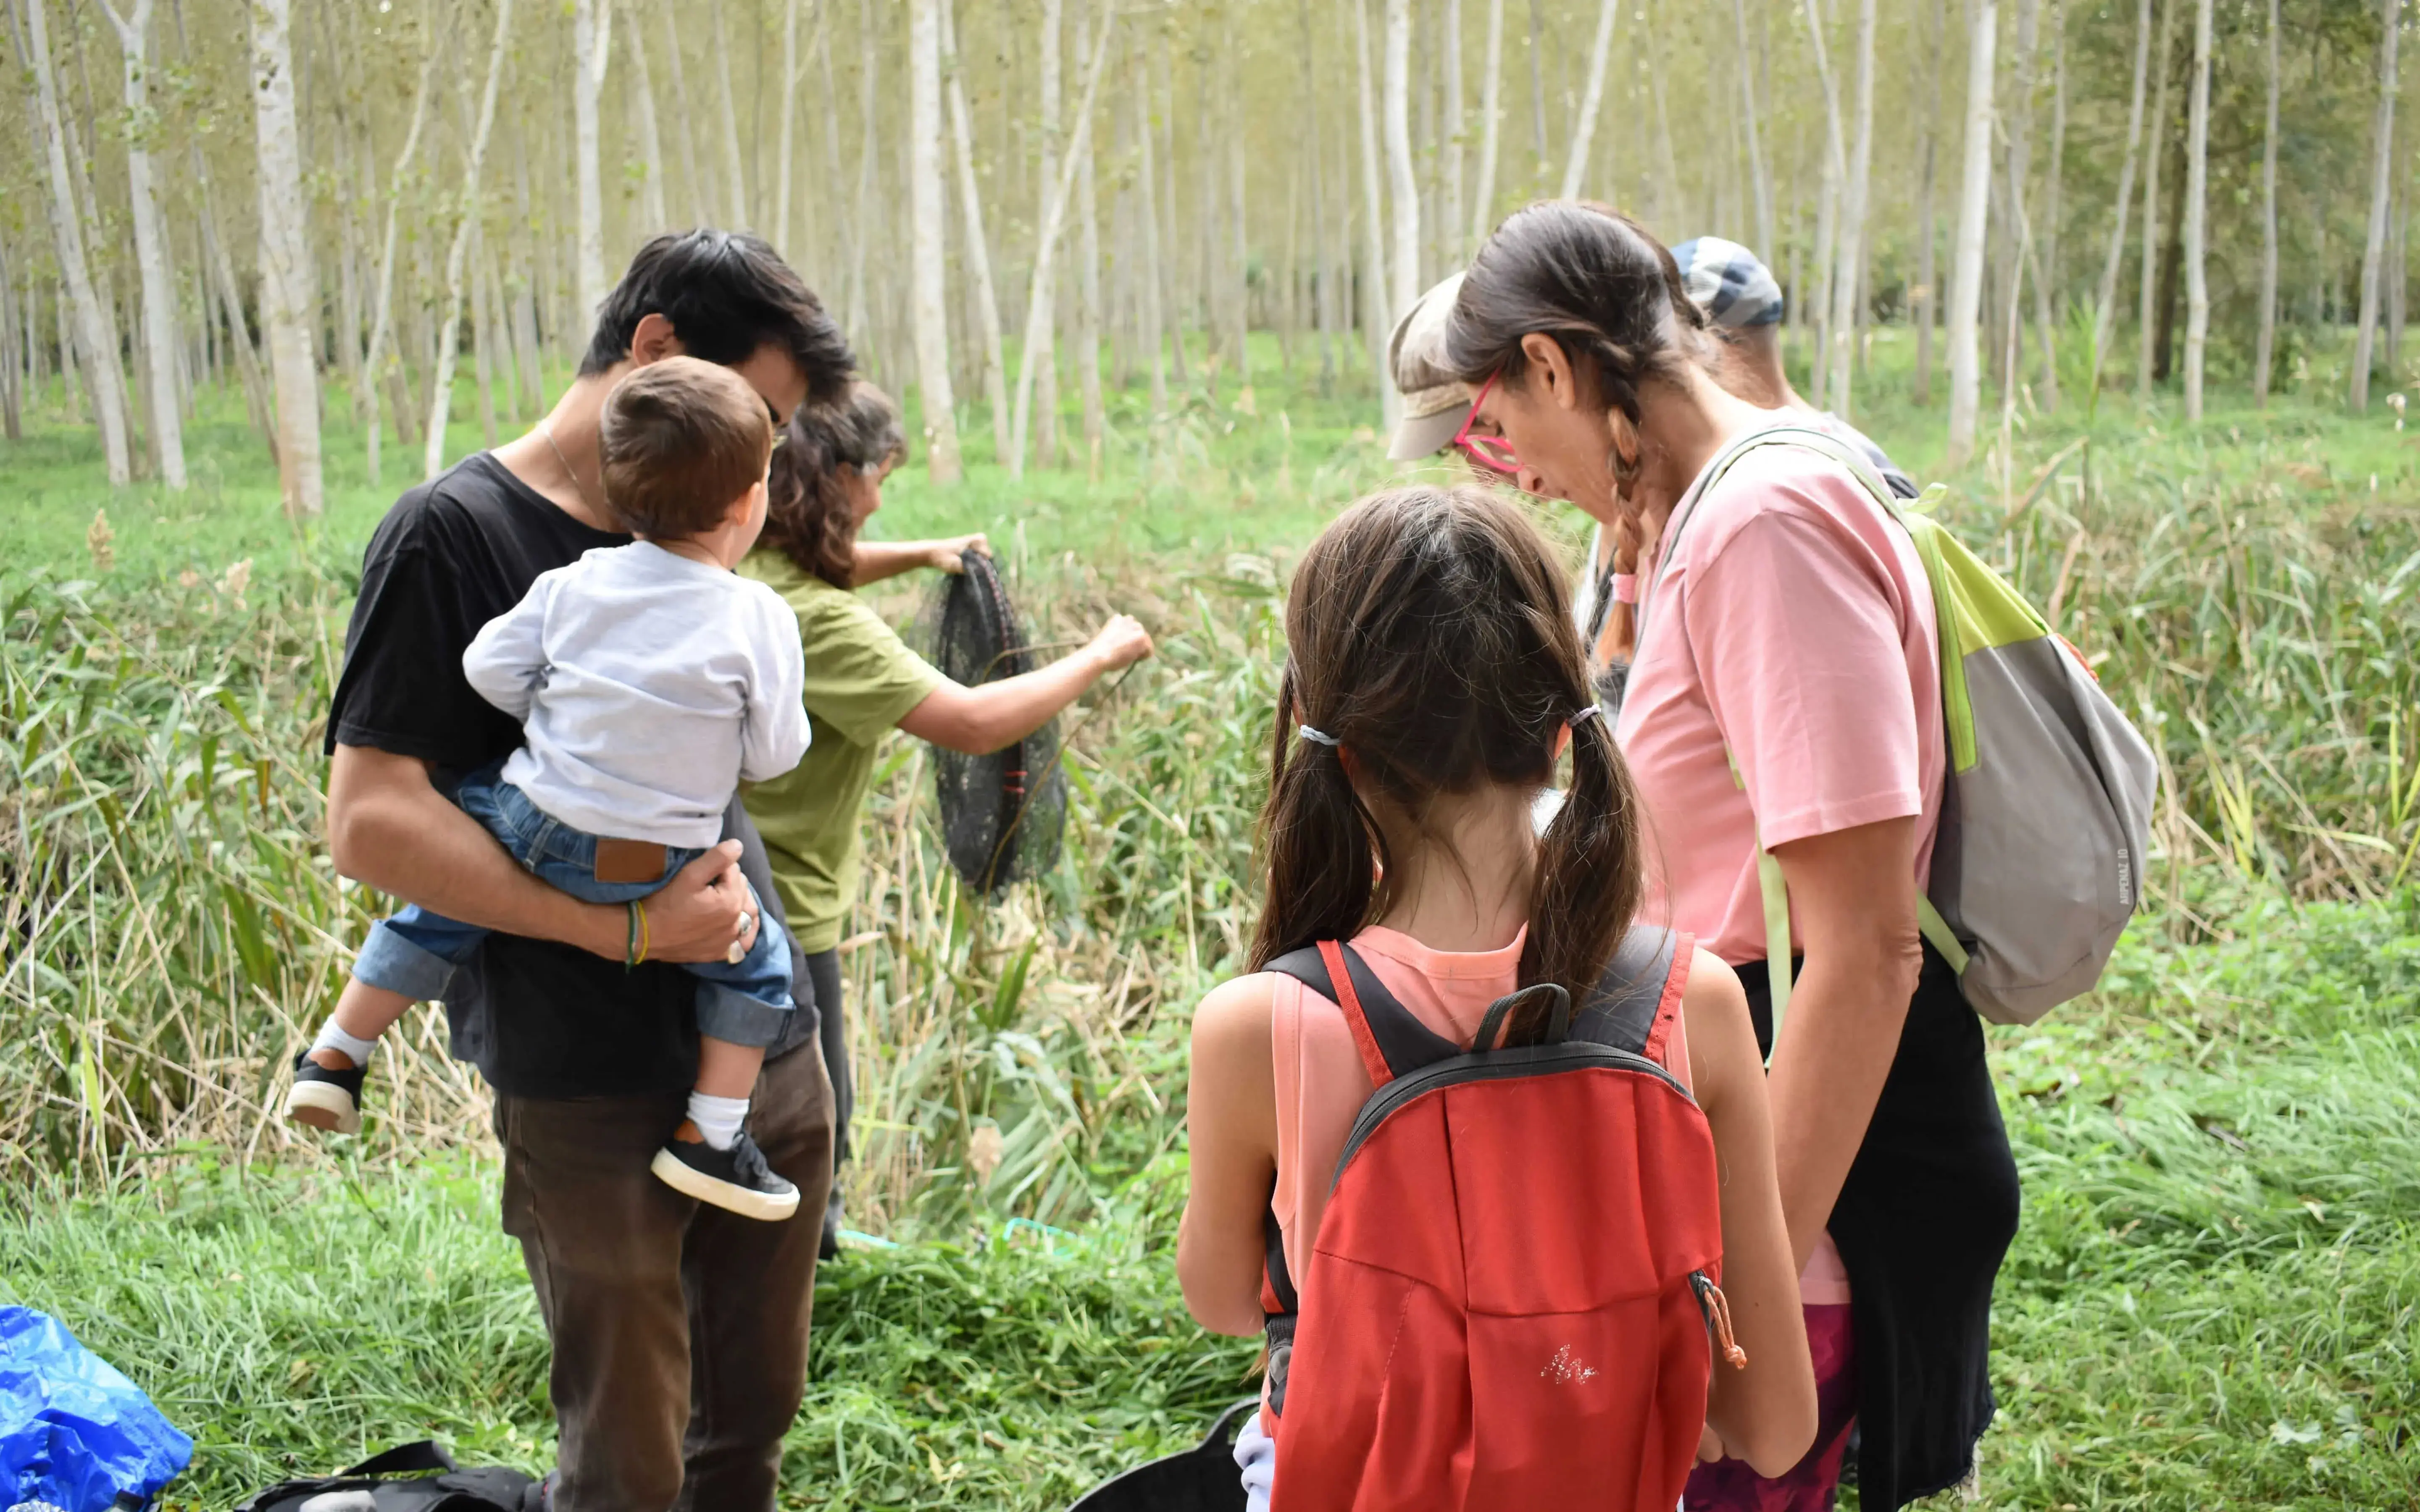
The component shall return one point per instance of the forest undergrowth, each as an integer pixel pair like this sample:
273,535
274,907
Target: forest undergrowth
2213,1296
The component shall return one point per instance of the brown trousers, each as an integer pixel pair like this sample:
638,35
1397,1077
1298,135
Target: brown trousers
679,1329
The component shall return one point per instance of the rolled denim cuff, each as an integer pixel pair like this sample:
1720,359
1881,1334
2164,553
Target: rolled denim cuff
729,1013
390,961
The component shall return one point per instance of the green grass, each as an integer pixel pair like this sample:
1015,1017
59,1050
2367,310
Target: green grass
2213,1299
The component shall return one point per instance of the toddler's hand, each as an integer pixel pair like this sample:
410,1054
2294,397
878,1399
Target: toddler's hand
1121,642
949,555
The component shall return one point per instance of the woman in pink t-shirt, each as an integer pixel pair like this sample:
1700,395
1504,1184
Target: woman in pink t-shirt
1784,698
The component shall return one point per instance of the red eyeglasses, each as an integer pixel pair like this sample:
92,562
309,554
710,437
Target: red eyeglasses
1492,453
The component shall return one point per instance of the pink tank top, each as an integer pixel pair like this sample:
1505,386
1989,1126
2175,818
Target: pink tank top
1321,1083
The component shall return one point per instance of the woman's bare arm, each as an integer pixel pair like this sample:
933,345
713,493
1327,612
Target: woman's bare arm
1764,1412
980,720
1232,1125
877,560
1853,898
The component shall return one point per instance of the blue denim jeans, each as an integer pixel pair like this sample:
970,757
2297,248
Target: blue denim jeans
415,952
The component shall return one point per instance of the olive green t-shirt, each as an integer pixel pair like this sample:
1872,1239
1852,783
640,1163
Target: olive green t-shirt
861,680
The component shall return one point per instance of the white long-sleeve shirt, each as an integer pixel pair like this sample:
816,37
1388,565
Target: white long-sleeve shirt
648,687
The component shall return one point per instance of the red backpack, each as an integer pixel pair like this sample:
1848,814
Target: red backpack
1513,1291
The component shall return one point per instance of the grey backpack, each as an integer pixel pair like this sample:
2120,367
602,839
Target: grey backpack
2047,813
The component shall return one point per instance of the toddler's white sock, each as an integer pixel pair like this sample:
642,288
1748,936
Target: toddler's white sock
351,1047
717,1117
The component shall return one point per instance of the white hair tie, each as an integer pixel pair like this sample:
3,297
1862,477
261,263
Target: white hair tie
1583,716
1319,737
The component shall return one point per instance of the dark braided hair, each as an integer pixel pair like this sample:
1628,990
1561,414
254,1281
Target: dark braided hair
1594,280
806,508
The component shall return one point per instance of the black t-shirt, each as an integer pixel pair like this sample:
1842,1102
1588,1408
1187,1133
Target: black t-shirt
537,1018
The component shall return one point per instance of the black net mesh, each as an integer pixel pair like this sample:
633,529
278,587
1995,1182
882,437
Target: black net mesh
1003,815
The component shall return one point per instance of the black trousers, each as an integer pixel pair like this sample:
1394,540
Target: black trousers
1922,1223
821,973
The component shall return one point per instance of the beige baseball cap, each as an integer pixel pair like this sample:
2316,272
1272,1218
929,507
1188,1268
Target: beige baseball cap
1434,401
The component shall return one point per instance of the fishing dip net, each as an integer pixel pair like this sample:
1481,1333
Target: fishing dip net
1003,815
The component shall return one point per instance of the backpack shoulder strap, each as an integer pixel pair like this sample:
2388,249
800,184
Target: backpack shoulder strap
1639,996
1391,1040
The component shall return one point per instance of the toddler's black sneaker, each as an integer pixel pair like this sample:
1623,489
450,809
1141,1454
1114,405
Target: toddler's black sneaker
324,1098
737,1180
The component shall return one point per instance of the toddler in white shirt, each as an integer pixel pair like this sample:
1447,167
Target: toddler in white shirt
650,681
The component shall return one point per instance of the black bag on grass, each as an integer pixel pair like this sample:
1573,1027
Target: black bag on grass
1201,1479
400,1480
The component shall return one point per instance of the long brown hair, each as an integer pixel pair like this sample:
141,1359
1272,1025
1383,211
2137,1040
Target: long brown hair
1431,635
806,504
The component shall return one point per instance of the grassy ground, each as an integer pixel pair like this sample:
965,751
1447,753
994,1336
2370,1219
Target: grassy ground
2212,1300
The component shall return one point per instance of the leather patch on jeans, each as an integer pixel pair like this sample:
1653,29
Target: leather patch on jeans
629,860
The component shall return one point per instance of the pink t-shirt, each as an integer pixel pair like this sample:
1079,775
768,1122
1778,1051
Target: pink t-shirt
1790,632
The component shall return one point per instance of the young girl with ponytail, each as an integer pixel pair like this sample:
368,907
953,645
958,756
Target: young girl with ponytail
1435,681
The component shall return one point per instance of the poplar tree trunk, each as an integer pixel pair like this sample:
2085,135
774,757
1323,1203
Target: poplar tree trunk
1376,285
784,157
1761,184
2015,241
91,338
1927,305
651,144
2046,267
736,211
2380,172
592,25
1848,274
1482,204
1974,209
1323,269
1827,215
925,202
2264,345
1450,54
1054,215
1155,318
151,245
2104,309
382,296
449,332
288,305
1591,97
2196,215
2148,338
1043,331
977,241
701,186
1087,300
1404,263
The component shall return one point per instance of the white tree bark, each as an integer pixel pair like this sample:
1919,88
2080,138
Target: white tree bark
2046,271
1088,302
440,387
2265,344
651,142
1154,317
784,152
931,308
1404,264
92,339
1491,113
702,210
1927,302
382,296
592,26
1053,216
288,304
2197,215
1456,122
977,241
2380,174
1828,211
1762,185
150,244
2104,309
737,214
1591,98
1848,275
1974,211
2151,270
1043,332
1376,285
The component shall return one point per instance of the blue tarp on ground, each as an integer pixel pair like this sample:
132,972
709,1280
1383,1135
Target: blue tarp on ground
74,1432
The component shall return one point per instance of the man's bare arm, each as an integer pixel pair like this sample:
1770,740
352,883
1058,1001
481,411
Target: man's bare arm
389,827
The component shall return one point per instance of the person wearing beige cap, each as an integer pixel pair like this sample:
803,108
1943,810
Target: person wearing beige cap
1437,406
